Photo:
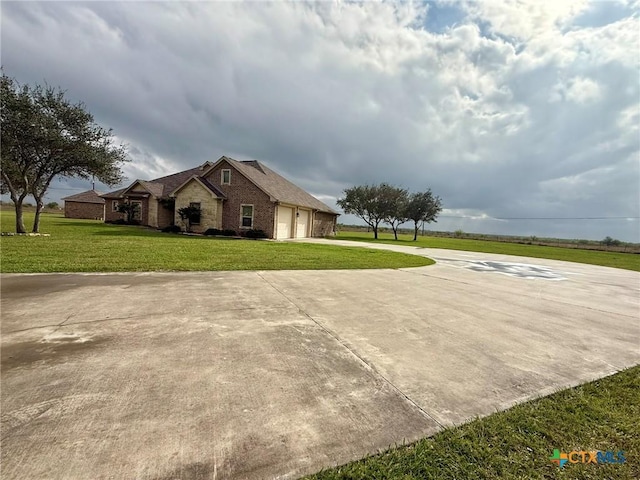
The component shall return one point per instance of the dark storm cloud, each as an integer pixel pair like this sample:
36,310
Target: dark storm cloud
509,110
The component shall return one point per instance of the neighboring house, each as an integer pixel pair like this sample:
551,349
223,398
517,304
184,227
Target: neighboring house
231,194
87,204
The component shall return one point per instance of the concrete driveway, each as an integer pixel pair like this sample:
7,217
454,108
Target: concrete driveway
278,374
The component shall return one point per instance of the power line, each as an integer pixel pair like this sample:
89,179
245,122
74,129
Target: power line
538,218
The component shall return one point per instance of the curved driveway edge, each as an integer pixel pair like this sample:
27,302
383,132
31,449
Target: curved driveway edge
281,373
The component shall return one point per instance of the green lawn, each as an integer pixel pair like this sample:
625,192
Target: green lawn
516,444
627,261
92,246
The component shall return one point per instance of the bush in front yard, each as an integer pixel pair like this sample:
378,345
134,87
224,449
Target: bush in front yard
255,233
172,229
225,233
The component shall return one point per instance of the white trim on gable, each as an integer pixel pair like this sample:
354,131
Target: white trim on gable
189,180
130,187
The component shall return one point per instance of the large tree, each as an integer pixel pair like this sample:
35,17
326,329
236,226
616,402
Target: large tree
45,136
396,200
371,203
422,207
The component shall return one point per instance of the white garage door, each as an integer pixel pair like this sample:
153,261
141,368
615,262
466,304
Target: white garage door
285,222
303,224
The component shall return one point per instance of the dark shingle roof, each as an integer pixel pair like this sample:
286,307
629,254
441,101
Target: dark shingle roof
173,181
276,186
155,188
114,194
90,196
212,187
163,186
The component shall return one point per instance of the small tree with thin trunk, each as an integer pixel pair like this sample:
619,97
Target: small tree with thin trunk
130,210
422,207
188,215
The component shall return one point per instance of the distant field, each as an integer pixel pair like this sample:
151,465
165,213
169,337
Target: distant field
92,246
611,246
627,261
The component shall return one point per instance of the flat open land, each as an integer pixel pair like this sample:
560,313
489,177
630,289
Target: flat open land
570,253
281,373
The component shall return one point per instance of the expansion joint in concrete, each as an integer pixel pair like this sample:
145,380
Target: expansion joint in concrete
368,366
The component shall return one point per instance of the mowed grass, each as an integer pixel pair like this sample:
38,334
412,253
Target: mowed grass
92,246
517,443
627,261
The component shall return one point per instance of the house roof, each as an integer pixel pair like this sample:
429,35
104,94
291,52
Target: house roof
273,184
90,196
151,187
160,187
276,186
115,193
173,181
212,187
205,183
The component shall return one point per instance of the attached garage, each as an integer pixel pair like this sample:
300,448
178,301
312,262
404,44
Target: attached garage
303,220
285,222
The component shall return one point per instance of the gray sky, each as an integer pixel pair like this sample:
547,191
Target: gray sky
505,109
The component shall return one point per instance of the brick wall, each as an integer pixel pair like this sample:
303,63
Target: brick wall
109,214
152,214
324,224
165,216
240,192
84,210
209,207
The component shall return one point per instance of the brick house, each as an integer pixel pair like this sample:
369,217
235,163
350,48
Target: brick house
87,204
231,194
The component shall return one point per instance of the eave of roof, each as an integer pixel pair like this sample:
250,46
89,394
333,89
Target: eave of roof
90,196
278,188
202,181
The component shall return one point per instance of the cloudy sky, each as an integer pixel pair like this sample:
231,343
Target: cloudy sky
517,114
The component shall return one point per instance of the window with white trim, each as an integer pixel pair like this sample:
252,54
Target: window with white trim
114,206
247,216
225,177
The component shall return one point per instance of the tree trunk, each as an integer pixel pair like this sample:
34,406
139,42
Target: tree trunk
375,233
17,202
36,219
415,232
19,219
395,232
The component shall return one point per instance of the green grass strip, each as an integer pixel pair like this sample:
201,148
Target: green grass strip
628,261
517,443
92,246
